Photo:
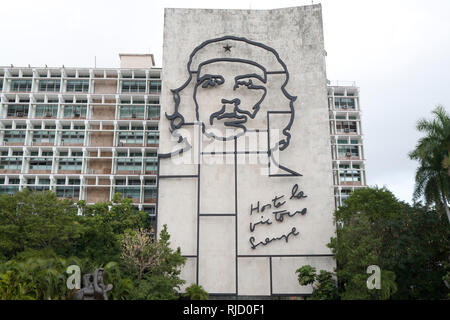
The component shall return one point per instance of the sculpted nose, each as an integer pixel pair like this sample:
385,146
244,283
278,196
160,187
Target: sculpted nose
234,101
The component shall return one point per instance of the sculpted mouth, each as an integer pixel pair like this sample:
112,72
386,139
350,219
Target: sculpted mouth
236,120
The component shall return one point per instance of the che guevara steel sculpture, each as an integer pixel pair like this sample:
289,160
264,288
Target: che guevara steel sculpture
238,113
232,92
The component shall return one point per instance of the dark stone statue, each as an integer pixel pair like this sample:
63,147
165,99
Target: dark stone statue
93,287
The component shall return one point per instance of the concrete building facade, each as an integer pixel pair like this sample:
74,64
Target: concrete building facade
245,184
84,133
87,133
347,146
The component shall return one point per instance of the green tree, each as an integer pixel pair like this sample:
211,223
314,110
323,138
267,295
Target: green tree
155,264
432,151
122,285
195,292
103,226
37,220
409,244
41,235
323,284
35,275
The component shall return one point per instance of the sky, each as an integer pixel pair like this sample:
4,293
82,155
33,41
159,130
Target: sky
397,51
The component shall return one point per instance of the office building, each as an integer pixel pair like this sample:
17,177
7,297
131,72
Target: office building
85,133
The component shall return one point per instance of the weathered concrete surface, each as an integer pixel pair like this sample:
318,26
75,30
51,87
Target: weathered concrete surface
224,265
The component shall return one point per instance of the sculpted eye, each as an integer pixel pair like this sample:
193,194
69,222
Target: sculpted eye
247,83
211,81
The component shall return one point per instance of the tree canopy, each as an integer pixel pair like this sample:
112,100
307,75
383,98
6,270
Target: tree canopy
432,152
409,243
41,235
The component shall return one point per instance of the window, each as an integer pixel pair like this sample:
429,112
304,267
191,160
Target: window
132,111
1,84
46,111
44,136
151,154
74,111
153,112
155,86
41,163
72,137
152,137
150,193
346,126
129,192
133,86
344,103
11,163
134,137
71,164
77,85
135,154
20,110
68,192
134,182
120,182
14,181
129,164
21,85
14,136
348,151
9,189
349,176
49,85
151,165
74,182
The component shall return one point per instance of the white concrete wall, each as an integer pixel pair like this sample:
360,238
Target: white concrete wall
225,266
136,60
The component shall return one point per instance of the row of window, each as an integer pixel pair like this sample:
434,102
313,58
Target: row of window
74,164
74,192
347,151
350,176
76,181
79,111
347,174
132,154
77,137
346,126
344,103
25,85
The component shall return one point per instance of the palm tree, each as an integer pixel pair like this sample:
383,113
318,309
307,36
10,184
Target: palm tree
432,152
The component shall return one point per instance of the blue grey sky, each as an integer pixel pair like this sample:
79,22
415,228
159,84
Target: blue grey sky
398,52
